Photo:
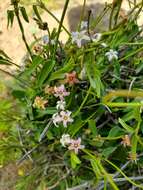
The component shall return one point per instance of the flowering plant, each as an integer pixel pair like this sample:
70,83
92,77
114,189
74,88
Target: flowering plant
81,121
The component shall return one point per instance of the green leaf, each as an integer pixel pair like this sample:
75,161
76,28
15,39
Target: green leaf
61,72
116,131
47,111
24,14
10,17
134,143
108,151
95,167
18,94
36,12
74,160
125,126
4,61
37,60
92,127
50,135
44,73
74,128
93,73
3,54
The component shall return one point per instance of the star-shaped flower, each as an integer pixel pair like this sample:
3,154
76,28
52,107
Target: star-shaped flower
112,55
61,105
65,140
79,37
66,117
75,145
71,78
56,119
39,103
60,92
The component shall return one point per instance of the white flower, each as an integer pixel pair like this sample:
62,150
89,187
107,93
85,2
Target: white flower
65,140
96,37
112,55
65,117
104,45
56,119
61,105
78,37
84,25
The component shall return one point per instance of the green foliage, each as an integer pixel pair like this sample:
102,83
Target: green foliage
94,138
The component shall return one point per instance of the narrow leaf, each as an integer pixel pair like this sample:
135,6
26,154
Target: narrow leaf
10,17
125,126
24,14
44,73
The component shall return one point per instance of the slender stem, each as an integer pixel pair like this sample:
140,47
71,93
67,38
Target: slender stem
60,24
108,138
17,78
83,102
16,10
110,19
122,180
122,168
42,6
131,54
82,14
122,173
123,104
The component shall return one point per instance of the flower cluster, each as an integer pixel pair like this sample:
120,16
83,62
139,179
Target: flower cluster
62,116
81,37
73,144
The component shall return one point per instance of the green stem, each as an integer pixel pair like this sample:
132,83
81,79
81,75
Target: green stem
100,17
122,173
82,14
83,102
60,24
109,138
131,54
16,10
122,104
84,122
42,6
17,78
